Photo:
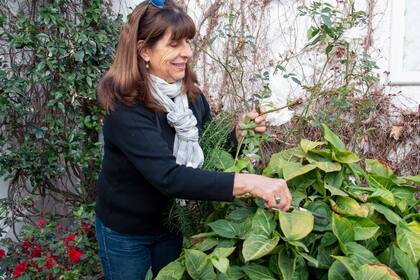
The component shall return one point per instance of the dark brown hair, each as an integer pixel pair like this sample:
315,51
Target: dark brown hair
128,79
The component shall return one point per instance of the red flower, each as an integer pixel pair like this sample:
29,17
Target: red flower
41,223
19,269
74,255
59,227
26,245
51,262
69,238
85,227
2,253
36,252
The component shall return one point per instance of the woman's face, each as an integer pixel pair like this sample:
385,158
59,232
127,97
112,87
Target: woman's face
168,58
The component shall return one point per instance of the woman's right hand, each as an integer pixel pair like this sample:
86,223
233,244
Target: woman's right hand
268,189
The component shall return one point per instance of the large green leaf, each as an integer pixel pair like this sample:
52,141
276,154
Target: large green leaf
275,166
301,271
293,154
198,265
328,239
373,166
286,263
328,166
296,225
407,264
238,166
258,272
225,228
332,138
241,164
345,157
338,271
321,208
240,214
223,252
335,191
405,193
349,265
314,262
308,145
220,263
349,206
256,246
173,271
408,238
221,159
364,228
359,254
390,215
263,223
384,196
324,256
293,169
342,229
376,272
415,179
233,273
244,228
206,244
334,179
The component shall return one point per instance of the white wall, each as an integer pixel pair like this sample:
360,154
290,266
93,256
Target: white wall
283,16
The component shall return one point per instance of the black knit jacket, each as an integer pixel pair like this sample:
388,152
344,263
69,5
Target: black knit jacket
139,175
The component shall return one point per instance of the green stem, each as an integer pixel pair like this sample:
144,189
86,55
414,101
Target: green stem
239,148
280,108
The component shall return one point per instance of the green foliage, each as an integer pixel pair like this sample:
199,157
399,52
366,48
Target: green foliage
54,53
346,224
50,119
215,139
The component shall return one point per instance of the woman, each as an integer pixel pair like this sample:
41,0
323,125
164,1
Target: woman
154,112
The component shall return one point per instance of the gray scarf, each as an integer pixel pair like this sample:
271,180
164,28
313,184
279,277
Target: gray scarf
187,150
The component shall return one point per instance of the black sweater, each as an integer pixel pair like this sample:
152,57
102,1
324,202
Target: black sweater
139,174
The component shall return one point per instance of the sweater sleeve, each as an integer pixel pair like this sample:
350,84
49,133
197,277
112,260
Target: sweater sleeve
134,131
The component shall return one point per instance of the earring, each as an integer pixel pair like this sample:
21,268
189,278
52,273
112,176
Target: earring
147,64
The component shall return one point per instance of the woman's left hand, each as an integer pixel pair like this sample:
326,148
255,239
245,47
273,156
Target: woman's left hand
259,119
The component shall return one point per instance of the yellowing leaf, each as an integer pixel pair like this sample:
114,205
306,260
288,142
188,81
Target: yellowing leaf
328,166
373,166
376,272
292,170
349,206
384,196
256,246
296,225
173,271
308,145
199,265
408,238
345,157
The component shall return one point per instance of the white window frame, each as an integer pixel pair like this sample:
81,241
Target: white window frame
397,75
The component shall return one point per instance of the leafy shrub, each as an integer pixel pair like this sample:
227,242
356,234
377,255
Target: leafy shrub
49,116
350,221
51,250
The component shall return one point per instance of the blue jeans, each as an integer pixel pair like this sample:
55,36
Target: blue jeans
129,256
